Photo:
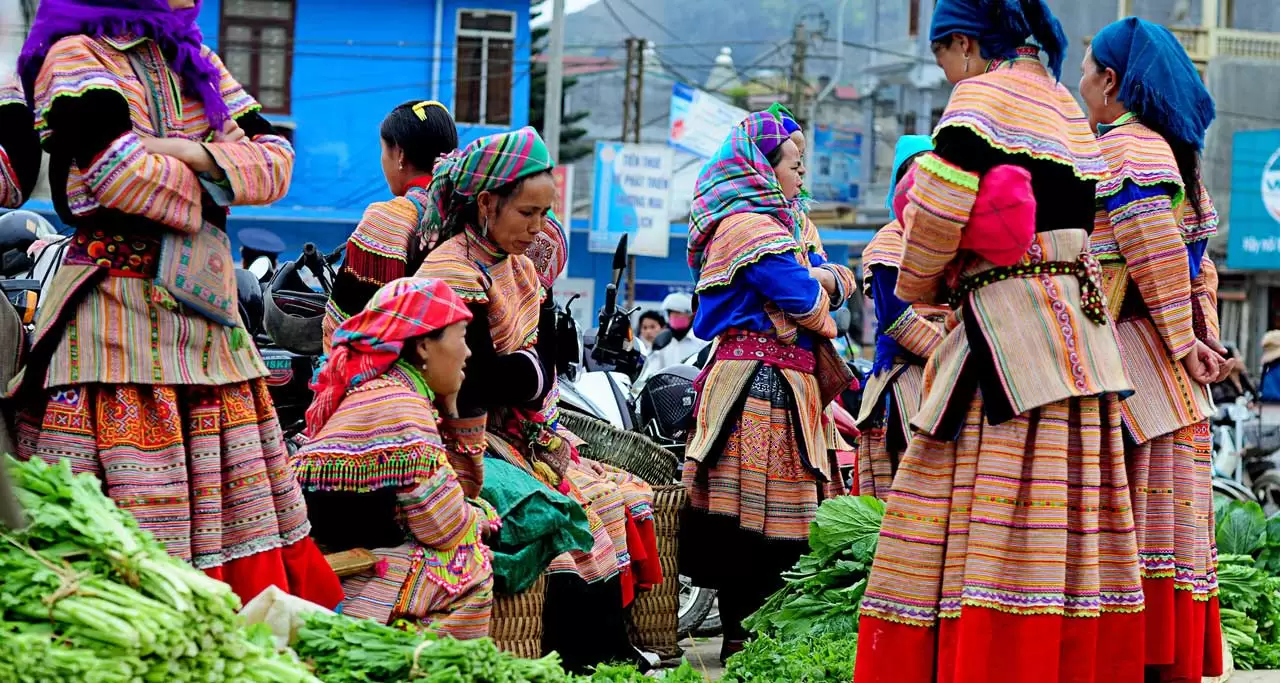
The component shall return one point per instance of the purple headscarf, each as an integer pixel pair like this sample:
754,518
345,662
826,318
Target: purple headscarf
175,31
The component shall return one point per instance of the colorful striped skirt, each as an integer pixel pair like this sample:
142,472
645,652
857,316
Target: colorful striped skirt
202,468
1008,554
1171,479
889,400
875,464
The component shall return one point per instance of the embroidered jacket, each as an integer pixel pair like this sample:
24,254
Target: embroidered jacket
1147,239
380,473
1024,341
101,318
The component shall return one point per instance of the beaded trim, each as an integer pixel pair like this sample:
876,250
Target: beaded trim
1085,268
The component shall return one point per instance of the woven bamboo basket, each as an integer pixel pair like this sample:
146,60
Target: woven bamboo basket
516,626
655,614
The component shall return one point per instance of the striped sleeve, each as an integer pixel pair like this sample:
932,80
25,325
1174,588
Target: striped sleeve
1204,291
1147,233
75,98
259,167
938,207
436,511
376,254
464,438
915,334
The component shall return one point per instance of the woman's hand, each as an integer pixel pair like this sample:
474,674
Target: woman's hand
826,278
1203,363
448,405
231,132
1229,364
189,152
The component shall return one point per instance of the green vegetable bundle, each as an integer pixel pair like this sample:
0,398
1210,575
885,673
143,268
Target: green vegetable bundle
823,590
1249,600
87,597
825,658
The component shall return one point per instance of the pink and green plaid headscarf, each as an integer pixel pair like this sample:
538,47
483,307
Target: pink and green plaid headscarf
487,164
739,179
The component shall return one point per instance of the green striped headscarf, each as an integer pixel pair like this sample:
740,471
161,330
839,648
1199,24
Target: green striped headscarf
487,164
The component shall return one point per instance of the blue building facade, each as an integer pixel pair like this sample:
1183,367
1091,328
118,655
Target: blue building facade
328,71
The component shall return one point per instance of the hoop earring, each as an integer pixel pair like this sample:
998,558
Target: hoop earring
966,63
484,227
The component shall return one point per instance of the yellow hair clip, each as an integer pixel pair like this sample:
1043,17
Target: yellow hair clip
421,108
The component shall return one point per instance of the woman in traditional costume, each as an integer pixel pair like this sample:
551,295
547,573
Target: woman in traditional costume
150,139
388,242
757,463
377,465
1007,551
1151,110
906,336
19,146
490,208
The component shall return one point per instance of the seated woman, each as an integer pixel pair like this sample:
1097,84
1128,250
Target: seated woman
377,470
490,205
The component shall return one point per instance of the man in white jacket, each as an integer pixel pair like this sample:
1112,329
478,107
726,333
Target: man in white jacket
675,344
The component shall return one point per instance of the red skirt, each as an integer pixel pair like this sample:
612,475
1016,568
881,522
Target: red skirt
1170,477
1008,555
202,468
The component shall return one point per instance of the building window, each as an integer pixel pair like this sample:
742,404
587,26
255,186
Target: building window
256,44
485,71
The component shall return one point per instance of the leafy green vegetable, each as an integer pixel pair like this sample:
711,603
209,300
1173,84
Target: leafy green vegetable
87,596
1249,600
826,658
1242,528
824,588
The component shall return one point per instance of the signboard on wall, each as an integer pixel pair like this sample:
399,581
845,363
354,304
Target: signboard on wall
632,197
700,121
1254,240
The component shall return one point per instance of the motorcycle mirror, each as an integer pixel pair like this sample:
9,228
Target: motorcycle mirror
619,260
261,267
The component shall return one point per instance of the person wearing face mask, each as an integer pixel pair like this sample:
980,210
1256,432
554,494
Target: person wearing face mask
757,465
1007,551
1151,110
140,370
675,344
389,242
377,465
500,249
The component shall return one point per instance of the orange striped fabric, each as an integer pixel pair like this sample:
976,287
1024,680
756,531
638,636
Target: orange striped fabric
1137,234
1165,398
884,249
939,204
508,285
1204,289
124,176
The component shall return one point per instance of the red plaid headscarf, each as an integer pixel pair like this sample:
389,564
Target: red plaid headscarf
370,342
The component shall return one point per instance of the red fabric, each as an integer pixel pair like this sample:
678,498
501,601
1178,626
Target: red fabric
298,569
1184,636
628,581
1003,220
421,182
989,646
644,553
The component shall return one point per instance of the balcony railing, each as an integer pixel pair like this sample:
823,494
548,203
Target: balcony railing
1203,44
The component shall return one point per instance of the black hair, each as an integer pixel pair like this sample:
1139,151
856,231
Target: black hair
906,166
469,212
409,350
654,316
1185,154
775,157
423,140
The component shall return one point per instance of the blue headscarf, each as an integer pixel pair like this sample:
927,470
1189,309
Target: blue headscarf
1158,82
908,146
1002,26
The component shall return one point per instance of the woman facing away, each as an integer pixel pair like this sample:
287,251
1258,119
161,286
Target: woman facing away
1150,109
388,243
377,465
490,205
1008,551
150,139
905,338
758,463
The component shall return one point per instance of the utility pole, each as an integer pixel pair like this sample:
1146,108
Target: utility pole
799,85
555,80
632,99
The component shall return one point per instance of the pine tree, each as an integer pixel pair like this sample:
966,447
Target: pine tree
572,145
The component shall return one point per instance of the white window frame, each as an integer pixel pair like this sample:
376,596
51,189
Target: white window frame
485,35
